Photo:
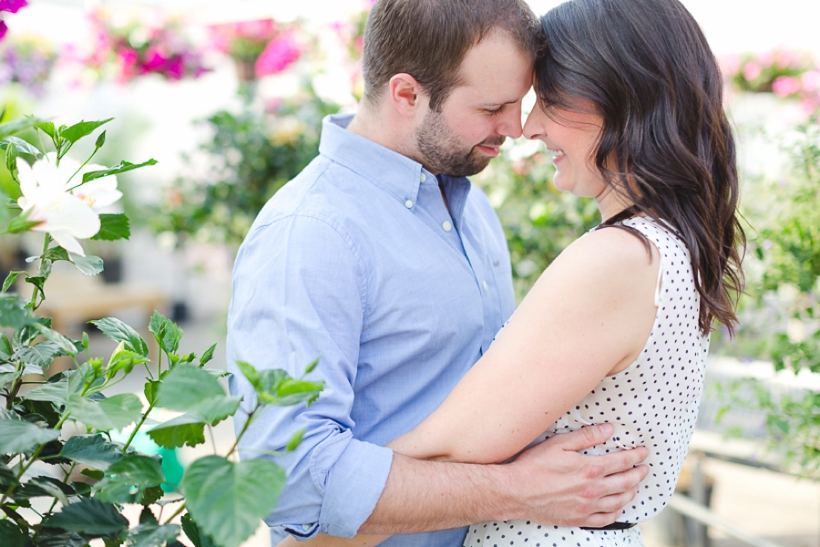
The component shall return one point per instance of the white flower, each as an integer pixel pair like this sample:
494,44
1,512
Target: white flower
64,216
98,193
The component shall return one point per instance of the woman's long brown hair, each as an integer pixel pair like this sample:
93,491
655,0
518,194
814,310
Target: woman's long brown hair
666,143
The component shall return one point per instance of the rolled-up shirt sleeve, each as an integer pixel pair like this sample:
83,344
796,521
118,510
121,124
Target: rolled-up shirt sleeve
299,292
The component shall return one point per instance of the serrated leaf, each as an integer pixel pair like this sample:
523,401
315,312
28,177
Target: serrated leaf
150,390
7,476
188,429
13,313
191,529
166,332
186,387
51,537
215,410
217,373
8,373
56,253
122,167
11,535
81,129
124,360
227,500
63,342
11,278
114,412
89,517
207,356
249,373
18,436
88,265
113,227
92,450
53,392
120,332
128,477
21,145
41,355
45,487
152,535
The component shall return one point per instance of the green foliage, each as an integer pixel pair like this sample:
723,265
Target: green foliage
226,500
250,156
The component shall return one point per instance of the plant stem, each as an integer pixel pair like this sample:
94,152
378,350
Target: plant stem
78,170
138,426
176,513
242,432
34,304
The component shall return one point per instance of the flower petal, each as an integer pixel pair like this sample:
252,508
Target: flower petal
68,242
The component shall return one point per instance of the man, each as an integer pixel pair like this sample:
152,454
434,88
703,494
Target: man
384,261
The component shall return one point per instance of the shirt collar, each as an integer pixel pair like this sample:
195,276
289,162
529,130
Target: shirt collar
398,175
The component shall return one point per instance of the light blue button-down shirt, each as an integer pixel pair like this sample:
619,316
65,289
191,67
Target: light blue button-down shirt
358,261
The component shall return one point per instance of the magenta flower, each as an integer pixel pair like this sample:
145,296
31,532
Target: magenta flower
280,53
154,60
12,6
3,29
175,69
785,86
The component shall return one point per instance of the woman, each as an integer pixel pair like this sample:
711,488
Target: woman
630,105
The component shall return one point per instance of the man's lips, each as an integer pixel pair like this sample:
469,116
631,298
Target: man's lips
489,149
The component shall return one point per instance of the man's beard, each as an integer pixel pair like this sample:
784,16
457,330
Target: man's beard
443,153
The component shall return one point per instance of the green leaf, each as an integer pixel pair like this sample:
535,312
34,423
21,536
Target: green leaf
125,360
166,332
11,278
8,373
188,429
21,223
121,168
128,477
7,476
207,356
55,392
63,342
11,161
41,355
88,265
217,373
217,409
39,487
152,535
291,392
249,372
90,517
56,253
120,332
191,529
51,537
21,145
150,390
227,500
92,450
18,436
13,313
81,129
113,226
5,346
115,412
16,126
186,387
100,140
11,535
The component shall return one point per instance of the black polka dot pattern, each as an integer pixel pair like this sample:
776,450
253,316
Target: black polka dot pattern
653,403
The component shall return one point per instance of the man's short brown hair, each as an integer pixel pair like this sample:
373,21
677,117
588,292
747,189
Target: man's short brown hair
428,39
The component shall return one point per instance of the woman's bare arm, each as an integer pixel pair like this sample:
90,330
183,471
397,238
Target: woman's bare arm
588,316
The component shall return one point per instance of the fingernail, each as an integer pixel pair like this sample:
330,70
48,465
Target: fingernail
606,429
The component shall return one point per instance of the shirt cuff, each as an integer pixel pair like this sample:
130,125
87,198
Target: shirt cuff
354,484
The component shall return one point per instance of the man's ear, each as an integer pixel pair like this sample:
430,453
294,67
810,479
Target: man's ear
406,94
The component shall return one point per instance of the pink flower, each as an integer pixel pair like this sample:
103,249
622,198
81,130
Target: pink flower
3,29
12,5
751,70
785,86
154,60
811,80
730,64
175,69
280,53
128,60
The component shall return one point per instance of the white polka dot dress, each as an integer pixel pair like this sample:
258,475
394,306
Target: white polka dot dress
652,403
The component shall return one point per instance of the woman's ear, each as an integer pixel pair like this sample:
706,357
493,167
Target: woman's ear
407,95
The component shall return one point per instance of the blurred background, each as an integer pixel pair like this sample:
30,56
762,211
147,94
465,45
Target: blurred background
229,97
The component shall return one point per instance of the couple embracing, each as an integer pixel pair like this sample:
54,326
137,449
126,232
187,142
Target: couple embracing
438,427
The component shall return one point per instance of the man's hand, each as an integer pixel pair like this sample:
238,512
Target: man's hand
555,484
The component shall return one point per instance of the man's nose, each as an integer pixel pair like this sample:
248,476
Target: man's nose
510,124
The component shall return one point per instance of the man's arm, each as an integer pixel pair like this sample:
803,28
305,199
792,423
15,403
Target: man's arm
550,482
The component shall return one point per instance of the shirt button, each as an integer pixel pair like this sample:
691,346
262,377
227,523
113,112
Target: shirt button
447,226
486,287
423,177
409,203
